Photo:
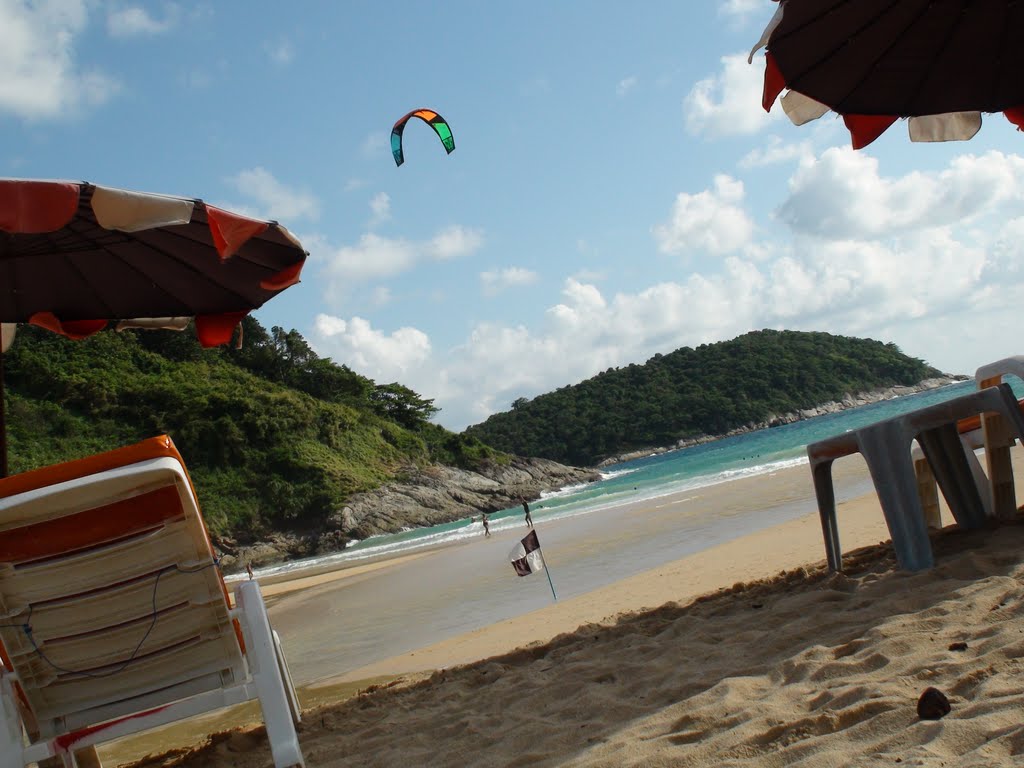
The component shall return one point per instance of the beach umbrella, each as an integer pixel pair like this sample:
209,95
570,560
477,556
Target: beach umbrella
76,258
940,63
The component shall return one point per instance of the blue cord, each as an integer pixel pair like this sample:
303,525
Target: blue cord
26,627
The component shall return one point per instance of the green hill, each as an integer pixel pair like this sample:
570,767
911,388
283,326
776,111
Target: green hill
275,436
704,391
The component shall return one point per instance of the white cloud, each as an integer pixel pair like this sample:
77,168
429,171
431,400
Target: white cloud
275,200
711,221
842,195
453,242
380,206
382,357
376,257
376,144
625,85
39,77
586,275
741,8
371,258
136,21
381,296
280,52
729,103
776,152
497,280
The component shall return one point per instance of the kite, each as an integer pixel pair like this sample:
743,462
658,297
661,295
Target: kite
431,118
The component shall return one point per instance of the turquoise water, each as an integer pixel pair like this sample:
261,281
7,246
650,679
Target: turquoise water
648,478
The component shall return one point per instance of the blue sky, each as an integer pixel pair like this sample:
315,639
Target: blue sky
616,189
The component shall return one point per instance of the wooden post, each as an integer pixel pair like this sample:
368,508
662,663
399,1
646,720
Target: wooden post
928,491
998,441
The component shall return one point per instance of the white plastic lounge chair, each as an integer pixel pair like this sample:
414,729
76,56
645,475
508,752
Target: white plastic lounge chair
113,614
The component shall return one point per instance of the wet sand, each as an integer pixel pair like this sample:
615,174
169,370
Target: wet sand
343,621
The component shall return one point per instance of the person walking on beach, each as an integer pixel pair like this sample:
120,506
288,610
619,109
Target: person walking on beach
526,509
487,525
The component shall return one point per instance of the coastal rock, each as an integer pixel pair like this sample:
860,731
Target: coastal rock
777,420
431,496
444,494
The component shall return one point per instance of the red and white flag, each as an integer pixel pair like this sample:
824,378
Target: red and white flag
526,556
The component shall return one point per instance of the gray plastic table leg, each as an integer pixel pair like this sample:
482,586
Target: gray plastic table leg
886,450
826,496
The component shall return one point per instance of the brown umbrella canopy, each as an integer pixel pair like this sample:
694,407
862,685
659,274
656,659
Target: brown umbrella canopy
75,256
875,61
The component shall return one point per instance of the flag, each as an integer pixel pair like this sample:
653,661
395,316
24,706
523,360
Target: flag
526,557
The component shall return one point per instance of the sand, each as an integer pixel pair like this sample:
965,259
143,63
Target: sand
748,653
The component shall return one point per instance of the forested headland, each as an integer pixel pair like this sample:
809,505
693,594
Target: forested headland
690,392
274,436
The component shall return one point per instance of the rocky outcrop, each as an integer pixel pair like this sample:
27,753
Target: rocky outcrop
431,496
775,420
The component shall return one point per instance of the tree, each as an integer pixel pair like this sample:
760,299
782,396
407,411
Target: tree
399,403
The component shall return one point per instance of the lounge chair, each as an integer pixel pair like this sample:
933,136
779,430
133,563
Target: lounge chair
114,617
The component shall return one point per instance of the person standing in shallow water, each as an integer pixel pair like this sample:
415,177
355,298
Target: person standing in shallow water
526,509
487,525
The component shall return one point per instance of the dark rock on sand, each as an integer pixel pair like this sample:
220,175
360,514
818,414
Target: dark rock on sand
933,704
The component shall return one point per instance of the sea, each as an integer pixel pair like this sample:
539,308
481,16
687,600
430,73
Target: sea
646,480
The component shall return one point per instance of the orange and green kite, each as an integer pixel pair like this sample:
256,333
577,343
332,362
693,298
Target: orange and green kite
431,118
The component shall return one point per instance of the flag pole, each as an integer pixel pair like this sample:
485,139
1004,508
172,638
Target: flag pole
547,572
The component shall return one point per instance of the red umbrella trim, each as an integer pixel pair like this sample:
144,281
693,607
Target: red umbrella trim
774,82
214,330
866,128
72,329
231,231
1016,116
286,277
32,207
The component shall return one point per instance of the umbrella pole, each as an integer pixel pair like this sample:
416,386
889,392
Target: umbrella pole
3,423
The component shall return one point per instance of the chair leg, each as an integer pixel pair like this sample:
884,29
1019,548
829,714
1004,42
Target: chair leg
886,450
263,664
927,490
826,495
11,743
998,440
286,678
980,478
945,454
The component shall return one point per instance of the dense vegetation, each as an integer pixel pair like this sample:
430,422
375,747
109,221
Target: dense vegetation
689,392
275,436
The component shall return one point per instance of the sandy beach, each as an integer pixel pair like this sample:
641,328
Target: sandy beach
745,653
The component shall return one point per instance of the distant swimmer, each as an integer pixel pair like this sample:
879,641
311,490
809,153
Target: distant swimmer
526,509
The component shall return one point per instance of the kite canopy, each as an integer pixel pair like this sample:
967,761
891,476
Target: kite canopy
431,118
940,63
